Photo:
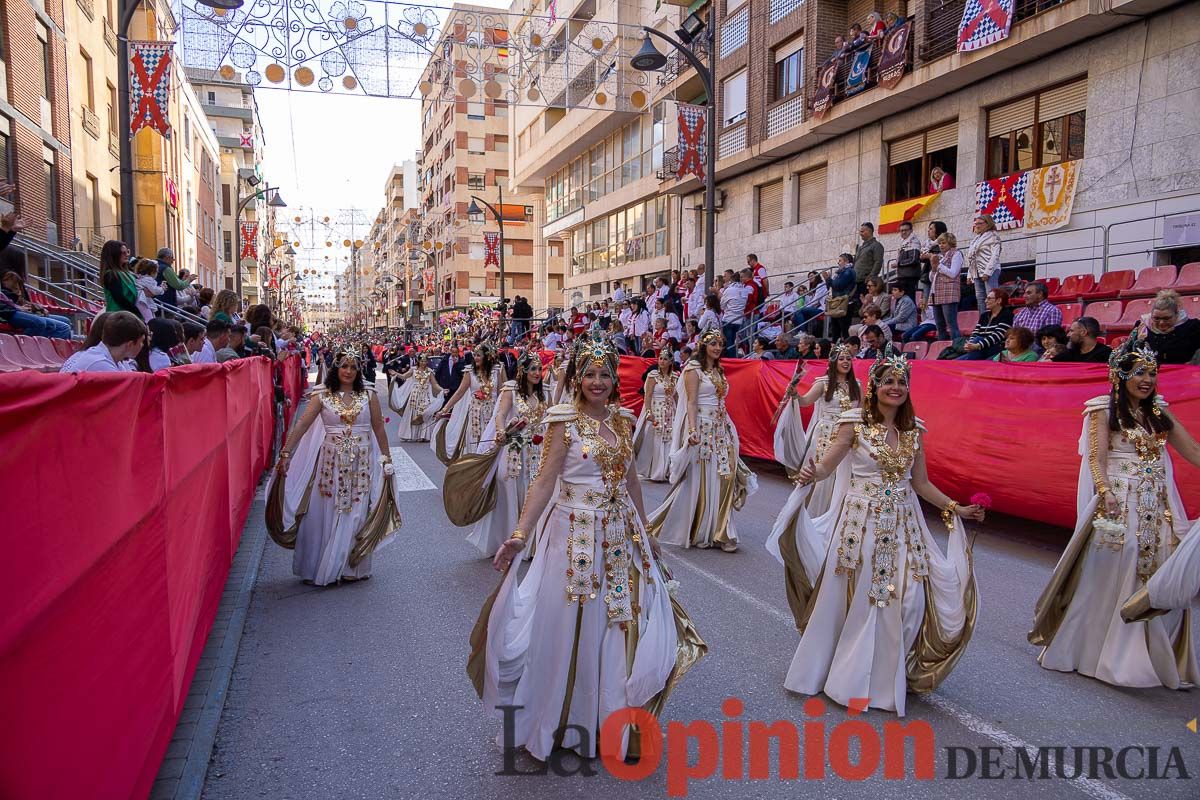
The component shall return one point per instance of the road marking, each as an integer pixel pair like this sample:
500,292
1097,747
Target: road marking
409,477
971,722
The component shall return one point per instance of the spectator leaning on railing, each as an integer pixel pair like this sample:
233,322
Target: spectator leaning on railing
123,338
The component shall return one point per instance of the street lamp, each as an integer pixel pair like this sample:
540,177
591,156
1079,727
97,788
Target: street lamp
275,202
475,209
649,59
125,11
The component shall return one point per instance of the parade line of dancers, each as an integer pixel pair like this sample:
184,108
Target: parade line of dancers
545,471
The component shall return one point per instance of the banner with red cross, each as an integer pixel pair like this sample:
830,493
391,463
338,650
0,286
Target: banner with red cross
249,240
272,277
1004,199
984,22
491,248
149,86
693,140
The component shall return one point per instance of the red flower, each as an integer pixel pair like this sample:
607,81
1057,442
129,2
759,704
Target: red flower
981,499
479,395
537,440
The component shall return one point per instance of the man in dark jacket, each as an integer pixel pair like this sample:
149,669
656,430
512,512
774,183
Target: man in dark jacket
450,371
167,277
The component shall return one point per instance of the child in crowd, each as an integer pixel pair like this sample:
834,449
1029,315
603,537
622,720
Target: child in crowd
148,288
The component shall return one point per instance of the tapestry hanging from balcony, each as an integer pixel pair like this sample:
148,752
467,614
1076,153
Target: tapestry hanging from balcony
1004,199
984,23
823,97
856,80
1050,196
895,56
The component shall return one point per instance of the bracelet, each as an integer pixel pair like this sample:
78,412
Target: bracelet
518,534
1102,490
384,459
285,454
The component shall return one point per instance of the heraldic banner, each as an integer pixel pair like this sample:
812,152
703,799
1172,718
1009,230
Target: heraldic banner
149,86
984,22
856,81
249,241
895,56
1004,199
693,140
823,97
491,248
1050,196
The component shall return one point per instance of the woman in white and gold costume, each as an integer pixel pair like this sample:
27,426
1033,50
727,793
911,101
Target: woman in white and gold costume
515,433
708,479
460,425
1130,519
652,437
591,628
416,400
332,498
880,609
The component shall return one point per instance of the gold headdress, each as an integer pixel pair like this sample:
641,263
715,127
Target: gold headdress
348,351
888,359
710,336
839,350
1136,353
595,350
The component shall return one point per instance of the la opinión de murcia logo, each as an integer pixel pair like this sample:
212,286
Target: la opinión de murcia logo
851,750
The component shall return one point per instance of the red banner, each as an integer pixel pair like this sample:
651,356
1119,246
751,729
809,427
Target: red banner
1010,430
149,86
693,140
249,240
125,500
491,248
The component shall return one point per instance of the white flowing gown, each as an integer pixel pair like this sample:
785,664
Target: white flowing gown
470,416
416,400
886,609
652,443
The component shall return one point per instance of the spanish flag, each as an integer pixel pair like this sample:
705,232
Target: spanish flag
891,215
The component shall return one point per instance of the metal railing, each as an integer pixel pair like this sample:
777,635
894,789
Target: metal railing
942,20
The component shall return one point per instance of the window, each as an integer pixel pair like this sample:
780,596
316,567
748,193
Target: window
475,181
1038,130
500,109
52,209
770,206
501,144
632,234
87,71
912,159
46,71
93,190
227,236
733,107
789,68
475,110
810,194
475,145
212,98
6,171
112,108
477,251
225,204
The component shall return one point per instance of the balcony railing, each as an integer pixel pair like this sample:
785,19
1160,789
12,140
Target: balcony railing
91,123
785,115
841,82
87,7
110,37
114,144
942,18
677,64
670,164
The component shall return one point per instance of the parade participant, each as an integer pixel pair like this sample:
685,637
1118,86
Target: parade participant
1130,519
831,395
890,610
621,640
461,425
416,398
332,498
708,479
512,442
652,438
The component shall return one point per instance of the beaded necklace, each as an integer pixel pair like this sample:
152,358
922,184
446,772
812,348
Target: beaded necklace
348,411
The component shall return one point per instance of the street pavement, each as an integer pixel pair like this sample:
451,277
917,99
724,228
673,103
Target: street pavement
360,691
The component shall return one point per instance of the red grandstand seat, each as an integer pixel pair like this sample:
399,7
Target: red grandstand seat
1074,287
967,320
1052,285
63,347
1116,341
1191,304
10,351
1149,281
1133,312
1106,312
1188,281
1110,286
33,352
48,351
918,349
1070,312
935,348
76,345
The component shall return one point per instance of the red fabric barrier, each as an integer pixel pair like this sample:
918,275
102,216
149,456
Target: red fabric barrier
125,497
294,378
1010,430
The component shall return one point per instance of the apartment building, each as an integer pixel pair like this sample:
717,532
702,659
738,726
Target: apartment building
465,146
228,102
598,168
95,144
1114,90
199,179
35,120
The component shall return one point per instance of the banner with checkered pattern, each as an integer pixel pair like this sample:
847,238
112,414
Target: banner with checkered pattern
984,22
1004,199
693,140
149,86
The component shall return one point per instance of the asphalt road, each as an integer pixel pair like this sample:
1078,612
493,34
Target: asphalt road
360,691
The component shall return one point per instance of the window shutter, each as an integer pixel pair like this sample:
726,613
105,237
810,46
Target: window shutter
942,137
787,48
811,194
770,206
1062,101
735,97
903,150
1010,117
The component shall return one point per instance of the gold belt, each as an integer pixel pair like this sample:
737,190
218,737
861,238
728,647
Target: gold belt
592,496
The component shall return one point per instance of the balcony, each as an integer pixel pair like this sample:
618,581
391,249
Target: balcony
785,115
91,122
677,64
110,37
781,8
942,18
670,164
114,144
842,89
87,7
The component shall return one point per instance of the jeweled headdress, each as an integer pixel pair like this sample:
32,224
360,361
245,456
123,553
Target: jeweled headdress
888,359
348,351
1136,353
595,350
839,350
710,336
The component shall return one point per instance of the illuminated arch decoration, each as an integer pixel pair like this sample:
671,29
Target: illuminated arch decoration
383,48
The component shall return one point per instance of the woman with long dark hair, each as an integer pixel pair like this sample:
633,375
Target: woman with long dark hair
416,398
164,336
708,479
1130,519
513,442
118,280
461,427
332,498
652,438
880,608
620,640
